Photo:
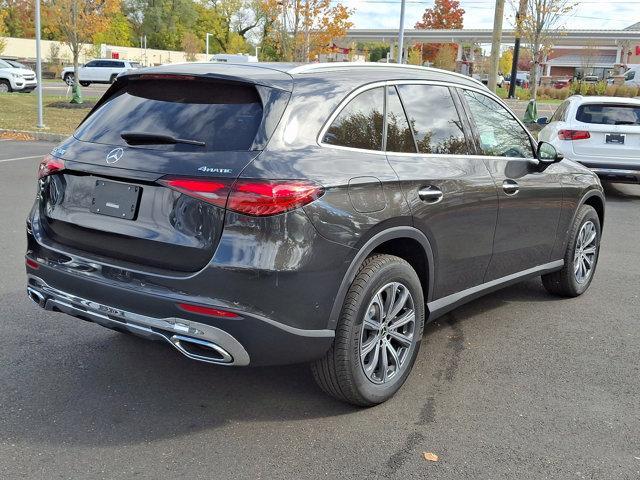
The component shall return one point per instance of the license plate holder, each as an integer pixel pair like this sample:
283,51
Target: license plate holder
615,138
115,199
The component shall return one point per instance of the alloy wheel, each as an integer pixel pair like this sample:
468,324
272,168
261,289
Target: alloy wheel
387,333
4,88
584,258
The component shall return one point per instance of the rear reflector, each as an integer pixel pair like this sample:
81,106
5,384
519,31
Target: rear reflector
250,197
50,165
212,312
573,135
32,264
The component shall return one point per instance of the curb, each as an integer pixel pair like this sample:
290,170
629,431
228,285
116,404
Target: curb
34,135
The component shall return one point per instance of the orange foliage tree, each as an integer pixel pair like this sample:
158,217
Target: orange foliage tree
302,29
444,15
78,21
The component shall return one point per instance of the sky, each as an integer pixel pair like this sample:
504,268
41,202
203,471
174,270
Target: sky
589,14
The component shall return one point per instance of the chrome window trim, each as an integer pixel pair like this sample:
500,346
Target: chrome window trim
388,83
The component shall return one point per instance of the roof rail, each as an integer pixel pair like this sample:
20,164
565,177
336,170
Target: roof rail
312,67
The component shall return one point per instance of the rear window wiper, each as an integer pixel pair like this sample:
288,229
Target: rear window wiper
143,138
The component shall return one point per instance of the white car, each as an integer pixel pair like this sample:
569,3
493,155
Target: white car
602,133
632,76
98,71
16,79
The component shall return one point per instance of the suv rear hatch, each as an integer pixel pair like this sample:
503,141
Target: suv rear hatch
144,180
614,131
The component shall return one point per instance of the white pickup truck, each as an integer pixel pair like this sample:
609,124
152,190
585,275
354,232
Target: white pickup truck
98,71
15,78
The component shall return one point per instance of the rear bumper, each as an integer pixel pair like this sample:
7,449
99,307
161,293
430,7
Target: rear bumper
245,340
612,171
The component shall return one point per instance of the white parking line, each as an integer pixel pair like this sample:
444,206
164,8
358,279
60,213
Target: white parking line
4,139
21,158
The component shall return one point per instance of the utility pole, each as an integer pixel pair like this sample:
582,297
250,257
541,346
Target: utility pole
207,44
401,34
495,45
522,11
39,66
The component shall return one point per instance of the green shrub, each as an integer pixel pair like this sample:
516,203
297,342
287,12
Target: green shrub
601,87
574,88
563,94
585,89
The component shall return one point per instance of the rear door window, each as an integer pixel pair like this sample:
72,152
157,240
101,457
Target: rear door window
434,118
224,116
604,114
360,123
399,136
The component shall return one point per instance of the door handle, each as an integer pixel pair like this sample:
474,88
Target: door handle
510,187
430,194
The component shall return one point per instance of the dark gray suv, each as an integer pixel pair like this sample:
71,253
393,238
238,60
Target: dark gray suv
269,213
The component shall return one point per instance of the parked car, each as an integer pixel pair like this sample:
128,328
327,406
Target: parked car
632,76
602,133
561,83
258,215
98,71
590,79
484,78
234,58
15,78
522,79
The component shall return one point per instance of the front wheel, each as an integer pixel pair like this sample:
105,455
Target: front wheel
5,87
581,256
69,79
378,334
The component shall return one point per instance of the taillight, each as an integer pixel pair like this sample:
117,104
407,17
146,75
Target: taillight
50,165
211,191
573,135
249,197
261,198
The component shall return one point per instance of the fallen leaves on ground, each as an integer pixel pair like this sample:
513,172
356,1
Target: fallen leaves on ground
429,456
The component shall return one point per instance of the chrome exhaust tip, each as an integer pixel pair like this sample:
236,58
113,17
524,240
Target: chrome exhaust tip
36,296
201,350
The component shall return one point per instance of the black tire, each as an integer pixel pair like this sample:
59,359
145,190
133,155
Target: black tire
7,85
69,79
565,282
340,373
85,84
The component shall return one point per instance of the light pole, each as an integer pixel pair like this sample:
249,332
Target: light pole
207,44
257,48
495,45
401,34
39,66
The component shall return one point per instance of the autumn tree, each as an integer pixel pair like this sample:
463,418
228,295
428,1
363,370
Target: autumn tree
505,62
303,29
191,45
541,26
3,31
444,15
446,57
79,21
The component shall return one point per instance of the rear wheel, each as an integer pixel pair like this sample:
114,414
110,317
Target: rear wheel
581,256
85,84
5,86
69,79
378,334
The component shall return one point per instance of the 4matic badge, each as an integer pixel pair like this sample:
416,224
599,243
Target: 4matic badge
214,170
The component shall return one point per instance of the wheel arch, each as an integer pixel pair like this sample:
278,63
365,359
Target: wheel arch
595,199
405,242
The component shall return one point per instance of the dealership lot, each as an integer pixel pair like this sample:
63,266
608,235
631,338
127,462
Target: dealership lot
518,384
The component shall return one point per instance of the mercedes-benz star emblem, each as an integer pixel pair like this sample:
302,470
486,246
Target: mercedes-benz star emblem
114,155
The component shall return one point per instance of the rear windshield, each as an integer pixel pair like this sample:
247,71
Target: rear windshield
604,114
224,116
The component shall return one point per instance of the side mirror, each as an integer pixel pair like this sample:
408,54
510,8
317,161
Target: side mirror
543,121
547,154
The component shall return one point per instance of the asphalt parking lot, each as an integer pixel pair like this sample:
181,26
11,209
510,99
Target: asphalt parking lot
516,385
59,88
